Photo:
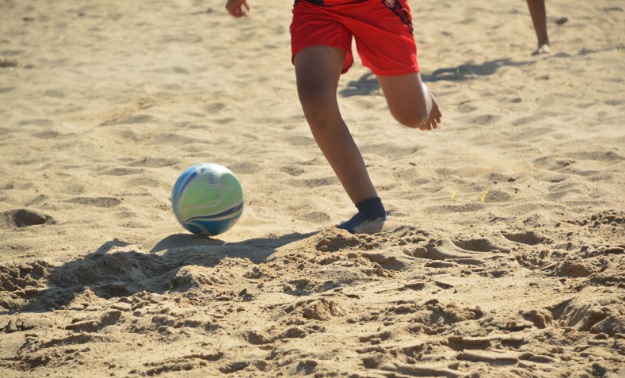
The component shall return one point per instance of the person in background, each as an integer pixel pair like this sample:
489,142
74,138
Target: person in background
538,13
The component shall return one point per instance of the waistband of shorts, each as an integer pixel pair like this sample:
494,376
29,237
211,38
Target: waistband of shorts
332,2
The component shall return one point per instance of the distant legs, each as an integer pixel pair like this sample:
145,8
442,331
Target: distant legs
538,13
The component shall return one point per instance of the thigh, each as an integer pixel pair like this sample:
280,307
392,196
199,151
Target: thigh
319,66
315,25
318,70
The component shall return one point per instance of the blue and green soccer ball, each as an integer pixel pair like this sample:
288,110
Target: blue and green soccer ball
207,199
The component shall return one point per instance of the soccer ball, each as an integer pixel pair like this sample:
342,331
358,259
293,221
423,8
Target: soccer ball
207,199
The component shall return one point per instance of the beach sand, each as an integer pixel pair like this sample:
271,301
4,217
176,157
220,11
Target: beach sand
503,255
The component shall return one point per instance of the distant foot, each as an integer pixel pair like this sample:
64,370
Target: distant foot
358,224
544,49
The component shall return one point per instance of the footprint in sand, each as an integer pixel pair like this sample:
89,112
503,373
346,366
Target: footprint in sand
245,167
25,218
300,141
48,134
224,121
479,245
292,170
132,119
121,171
36,122
471,251
485,119
96,201
314,183
318,217
597,313
528,238
154,162
214,107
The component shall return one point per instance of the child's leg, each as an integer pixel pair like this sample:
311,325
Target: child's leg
318,70
410,101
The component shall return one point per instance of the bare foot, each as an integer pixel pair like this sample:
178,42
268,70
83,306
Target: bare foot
544,49
434,118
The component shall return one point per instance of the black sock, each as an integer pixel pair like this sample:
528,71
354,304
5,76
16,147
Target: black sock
370,209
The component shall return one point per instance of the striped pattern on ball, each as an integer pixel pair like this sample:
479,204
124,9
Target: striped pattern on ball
207,199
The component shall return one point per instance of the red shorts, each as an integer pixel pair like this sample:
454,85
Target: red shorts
382,30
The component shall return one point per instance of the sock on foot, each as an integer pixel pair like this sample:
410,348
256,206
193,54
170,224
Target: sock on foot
369,219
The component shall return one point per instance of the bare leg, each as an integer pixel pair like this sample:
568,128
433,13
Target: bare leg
410,101
318,70
539,19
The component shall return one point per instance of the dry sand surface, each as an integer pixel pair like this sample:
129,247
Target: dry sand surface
503,255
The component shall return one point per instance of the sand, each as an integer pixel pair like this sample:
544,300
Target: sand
503,255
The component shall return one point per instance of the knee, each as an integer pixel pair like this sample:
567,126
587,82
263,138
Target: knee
319,103
311,92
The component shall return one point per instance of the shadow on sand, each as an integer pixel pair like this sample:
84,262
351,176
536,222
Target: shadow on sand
367,84
115,270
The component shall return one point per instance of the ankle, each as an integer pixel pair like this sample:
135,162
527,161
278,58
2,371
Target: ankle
369,219
371,208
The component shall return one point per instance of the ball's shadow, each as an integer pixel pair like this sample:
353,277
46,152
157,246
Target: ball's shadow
116,270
